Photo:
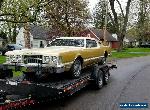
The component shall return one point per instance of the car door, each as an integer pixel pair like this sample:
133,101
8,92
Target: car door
94,51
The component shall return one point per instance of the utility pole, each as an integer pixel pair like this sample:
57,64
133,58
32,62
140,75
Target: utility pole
105,27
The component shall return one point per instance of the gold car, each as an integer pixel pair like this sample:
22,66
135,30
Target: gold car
60,55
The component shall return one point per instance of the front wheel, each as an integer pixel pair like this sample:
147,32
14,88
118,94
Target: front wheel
76,69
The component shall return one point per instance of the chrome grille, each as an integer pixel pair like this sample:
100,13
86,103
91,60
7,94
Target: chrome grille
32,59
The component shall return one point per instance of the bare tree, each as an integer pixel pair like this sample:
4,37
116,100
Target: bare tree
67,16
18,13
120,31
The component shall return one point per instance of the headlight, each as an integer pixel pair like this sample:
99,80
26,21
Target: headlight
12,58
46,59
15,58
19,58
55,60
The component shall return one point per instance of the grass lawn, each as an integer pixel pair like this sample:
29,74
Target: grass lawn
131,52
127,55
137,50
2,59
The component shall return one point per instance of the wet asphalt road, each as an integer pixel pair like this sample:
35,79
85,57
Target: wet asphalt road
129,83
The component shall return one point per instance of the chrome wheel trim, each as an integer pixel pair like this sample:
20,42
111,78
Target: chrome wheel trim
106,77
77,68
100,81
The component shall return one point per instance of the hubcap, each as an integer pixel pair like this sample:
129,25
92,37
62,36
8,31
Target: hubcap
77,68
106,77
100,81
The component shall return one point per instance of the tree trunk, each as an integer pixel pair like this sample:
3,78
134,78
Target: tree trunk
120,32
120,38
10,37
27,36
14,34
1,1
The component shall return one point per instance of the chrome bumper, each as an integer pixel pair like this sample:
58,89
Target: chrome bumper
34,67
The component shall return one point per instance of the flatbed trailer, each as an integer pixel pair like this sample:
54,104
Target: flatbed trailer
15,94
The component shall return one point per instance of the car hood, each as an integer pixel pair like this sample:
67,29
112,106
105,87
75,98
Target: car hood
54,50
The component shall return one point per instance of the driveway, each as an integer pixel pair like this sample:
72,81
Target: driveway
129,83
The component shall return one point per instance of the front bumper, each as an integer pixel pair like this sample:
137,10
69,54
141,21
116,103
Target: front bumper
33,67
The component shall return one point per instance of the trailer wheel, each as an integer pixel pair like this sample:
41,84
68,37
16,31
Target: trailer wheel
98,77
106,77
76,69
99,80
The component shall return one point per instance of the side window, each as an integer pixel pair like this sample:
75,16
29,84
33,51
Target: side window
90,43
94,44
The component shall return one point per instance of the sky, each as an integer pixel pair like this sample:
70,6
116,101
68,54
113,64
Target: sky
92,4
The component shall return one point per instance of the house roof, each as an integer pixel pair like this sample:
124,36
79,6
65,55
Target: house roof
100,34
38,32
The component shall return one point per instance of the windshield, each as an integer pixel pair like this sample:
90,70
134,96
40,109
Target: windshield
67,42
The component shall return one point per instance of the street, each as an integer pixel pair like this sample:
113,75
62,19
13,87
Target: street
128,83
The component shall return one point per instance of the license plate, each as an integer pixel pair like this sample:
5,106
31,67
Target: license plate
12,83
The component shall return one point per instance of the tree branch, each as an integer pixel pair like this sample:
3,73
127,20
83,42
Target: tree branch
126,16
111,18
114,13
12,21
7,14
120,8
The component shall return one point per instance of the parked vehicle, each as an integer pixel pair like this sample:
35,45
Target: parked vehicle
62,54
10,47
145,45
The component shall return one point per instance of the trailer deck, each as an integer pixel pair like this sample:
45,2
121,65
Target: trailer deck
17,94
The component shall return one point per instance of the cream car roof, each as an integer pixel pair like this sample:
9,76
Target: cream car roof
76,38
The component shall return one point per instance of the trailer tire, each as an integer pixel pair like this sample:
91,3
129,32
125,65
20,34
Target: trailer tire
76,69
98,77
106,77
99,80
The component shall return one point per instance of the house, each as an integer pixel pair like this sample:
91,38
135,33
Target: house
38,36
130,42
99,35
